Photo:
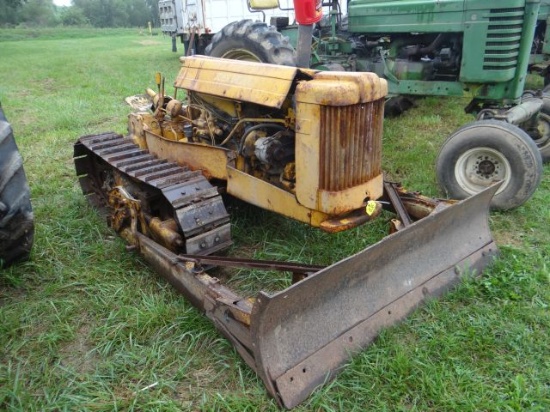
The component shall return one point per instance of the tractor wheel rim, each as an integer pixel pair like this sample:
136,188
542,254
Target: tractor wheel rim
241,54
543,127
479,168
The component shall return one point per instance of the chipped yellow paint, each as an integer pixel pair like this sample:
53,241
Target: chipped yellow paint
330,89
212,161
267,84
341,88
352,198
269,197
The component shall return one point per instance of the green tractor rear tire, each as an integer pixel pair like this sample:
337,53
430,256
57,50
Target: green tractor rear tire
543,135
485,152
252,41
16,217
543,126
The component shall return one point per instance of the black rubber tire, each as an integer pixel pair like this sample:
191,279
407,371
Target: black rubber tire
252,41
542,139
485,151
397,105
544,126
16,217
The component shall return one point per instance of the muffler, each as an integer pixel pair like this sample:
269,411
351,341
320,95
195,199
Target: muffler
523,111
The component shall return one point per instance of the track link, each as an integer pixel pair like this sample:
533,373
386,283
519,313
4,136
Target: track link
192,201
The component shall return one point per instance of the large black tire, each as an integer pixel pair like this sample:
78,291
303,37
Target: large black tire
16,217
542,135
543,126
486,151
252,41
397,105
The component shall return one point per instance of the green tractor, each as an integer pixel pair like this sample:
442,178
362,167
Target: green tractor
479,50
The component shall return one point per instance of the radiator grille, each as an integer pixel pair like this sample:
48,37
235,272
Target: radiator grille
509,10
503,39
351,144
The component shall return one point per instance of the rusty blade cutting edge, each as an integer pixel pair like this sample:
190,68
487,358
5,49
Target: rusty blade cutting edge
304,334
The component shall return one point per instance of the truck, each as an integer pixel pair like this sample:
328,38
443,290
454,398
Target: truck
194,22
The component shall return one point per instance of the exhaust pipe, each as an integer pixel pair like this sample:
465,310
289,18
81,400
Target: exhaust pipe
523,111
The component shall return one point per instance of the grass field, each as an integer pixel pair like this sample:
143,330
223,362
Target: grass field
86,325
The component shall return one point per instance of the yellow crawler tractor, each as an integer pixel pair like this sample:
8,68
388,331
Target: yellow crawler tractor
302,143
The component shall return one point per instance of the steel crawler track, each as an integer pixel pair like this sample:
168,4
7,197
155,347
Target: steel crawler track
196,205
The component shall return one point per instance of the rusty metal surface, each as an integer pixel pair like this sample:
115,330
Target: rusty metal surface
110,159
354,219
229,312
350,145
391,192
237,80
252,263
211,160
301,336
356,297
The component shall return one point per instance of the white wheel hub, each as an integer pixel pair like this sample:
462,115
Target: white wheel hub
479,168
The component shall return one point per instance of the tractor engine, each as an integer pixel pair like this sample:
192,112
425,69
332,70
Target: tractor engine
411,56
260,136
300,142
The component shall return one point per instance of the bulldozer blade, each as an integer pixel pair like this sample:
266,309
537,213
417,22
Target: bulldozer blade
303,335
298,338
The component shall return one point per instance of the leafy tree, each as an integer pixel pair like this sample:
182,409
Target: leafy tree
9,11
38,12
138,13
153,6
99,13
30,12
118,13
102,13
73,16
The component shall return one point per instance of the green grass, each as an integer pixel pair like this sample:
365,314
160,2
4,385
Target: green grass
60,33
86,325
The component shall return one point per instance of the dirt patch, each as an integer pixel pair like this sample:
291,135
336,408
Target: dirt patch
10,294
507,238
149,42
77,354
48,85
205,383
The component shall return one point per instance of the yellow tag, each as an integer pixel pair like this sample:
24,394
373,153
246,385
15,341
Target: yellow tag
371,207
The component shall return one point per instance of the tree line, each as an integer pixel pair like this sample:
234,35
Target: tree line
96,13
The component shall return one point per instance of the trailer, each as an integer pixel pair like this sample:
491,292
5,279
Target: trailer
196,21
